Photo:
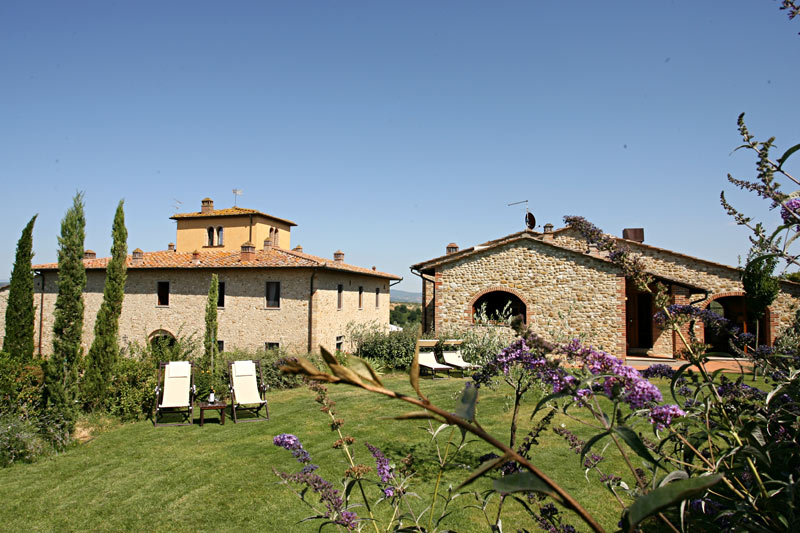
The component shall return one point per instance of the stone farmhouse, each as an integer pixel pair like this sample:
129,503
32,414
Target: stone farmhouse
562,288
270,296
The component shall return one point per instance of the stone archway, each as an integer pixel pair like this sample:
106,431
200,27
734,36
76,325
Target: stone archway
161,338
732,306
495,301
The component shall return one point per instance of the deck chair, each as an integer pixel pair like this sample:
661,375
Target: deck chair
427,359
247,390
175,392
452,357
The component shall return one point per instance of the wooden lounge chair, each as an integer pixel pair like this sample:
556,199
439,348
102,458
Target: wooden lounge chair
452,357
427,359
175,391
247,390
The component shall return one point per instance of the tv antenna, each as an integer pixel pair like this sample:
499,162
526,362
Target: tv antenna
177,205
236,194
530,220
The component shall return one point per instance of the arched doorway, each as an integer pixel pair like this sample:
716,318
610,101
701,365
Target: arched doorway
734,309
161,339
499,305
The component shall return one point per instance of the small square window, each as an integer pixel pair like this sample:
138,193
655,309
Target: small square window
220,346
339,291
273,294
272,346
221,295
162,290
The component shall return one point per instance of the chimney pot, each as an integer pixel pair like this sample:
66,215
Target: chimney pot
206,205
196,257
298,248
171,247
248,251
373,267
267,244
548,232
451,248
137,257
338,256
89,254
633,234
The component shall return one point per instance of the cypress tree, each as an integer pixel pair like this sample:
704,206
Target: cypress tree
210,343
104,352
61,376
18,341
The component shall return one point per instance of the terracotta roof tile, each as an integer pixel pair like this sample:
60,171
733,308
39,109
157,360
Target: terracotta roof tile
228,212
269,258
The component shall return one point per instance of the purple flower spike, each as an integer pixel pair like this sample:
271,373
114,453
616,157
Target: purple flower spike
662,415
384,470
292,443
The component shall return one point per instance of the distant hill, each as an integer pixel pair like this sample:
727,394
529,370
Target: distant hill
405,296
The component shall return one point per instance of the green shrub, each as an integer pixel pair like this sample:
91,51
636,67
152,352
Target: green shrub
270,360
131,393
20,441
21,387
393,349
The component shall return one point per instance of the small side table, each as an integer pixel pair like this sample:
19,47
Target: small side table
218,406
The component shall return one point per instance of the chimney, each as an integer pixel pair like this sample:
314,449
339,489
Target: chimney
206,205
451,248
374,268
633,234
248,251
548,232
338,256
195,257
267,244
298,248
171,247
137,257
89,254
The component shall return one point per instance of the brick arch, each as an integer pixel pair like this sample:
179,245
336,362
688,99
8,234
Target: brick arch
770,316
497,288
160,333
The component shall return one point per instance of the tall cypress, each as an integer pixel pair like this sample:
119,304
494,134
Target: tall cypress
103,354
61,377
210,343
18,341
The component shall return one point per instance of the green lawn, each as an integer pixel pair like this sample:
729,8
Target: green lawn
219,478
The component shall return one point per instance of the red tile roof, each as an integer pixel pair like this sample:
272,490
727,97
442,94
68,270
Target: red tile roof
270,258
228,212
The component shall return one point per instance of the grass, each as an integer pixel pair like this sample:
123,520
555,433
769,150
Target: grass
135,477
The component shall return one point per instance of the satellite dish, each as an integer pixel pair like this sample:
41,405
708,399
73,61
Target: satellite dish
530,220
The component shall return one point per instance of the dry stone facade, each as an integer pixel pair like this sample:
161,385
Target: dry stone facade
245,322
570,290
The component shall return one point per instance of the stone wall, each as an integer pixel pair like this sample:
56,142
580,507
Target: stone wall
244,322
331,322
551,282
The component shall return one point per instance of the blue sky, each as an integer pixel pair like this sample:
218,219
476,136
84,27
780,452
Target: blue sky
391,129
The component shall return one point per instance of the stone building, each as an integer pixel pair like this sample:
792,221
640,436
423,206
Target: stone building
272,296
563,288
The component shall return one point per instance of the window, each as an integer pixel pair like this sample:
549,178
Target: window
273,294
210,240
220,346
361,297
275,239
272,346
339,291
221,295
377,297
219,236
339,343
162,290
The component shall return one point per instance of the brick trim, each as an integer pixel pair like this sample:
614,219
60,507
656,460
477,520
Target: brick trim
161,332
470,311
770,316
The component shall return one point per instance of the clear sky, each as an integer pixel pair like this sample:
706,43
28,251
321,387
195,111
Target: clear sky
389,129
